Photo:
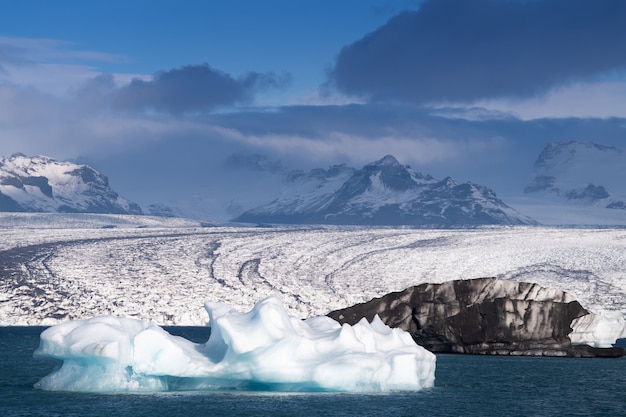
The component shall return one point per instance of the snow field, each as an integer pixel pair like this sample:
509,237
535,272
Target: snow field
166,274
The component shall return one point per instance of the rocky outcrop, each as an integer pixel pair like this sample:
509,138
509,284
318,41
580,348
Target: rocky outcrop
482,316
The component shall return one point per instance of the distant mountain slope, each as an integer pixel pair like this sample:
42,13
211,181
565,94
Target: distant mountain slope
384,192
582,173
42,184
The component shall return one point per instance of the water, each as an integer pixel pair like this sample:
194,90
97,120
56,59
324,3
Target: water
465,386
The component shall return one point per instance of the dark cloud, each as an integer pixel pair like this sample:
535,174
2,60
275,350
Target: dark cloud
194,88
462,50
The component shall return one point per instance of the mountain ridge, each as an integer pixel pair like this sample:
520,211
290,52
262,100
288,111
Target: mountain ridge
384,192
43,184
584,173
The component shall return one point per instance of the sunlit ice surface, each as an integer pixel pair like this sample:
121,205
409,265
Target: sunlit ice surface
263,349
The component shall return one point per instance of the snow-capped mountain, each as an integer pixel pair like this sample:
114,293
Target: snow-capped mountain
582,173
384,192
42,184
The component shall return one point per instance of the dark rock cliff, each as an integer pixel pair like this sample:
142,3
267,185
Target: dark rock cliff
482,316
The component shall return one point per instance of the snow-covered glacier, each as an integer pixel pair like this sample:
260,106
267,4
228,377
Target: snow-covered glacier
59,267
263,349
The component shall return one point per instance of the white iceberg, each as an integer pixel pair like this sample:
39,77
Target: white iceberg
600,329
263,349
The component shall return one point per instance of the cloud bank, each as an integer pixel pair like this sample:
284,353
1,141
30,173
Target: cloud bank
460,50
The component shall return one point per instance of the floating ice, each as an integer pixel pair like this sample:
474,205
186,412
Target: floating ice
598,329
263,349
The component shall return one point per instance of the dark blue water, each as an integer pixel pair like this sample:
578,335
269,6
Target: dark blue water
465,386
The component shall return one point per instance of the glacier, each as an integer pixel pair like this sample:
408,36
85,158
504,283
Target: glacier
61,267
262,349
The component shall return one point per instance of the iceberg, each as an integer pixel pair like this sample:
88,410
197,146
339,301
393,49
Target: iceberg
600,329
263,349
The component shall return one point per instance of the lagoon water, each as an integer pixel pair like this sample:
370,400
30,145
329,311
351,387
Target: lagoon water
465,386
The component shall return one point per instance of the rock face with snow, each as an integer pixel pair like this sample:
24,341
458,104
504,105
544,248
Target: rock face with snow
42,184
582,173
385,192
489,316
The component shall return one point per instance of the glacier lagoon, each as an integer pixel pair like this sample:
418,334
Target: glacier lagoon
465,385
327,267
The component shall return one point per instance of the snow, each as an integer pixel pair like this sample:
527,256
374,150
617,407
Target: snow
44,222
378,195
264,348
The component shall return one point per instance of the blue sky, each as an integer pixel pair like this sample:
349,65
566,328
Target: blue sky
469,88
300,38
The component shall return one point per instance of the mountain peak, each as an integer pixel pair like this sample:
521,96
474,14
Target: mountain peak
585,173
385,192
562,153
387,160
